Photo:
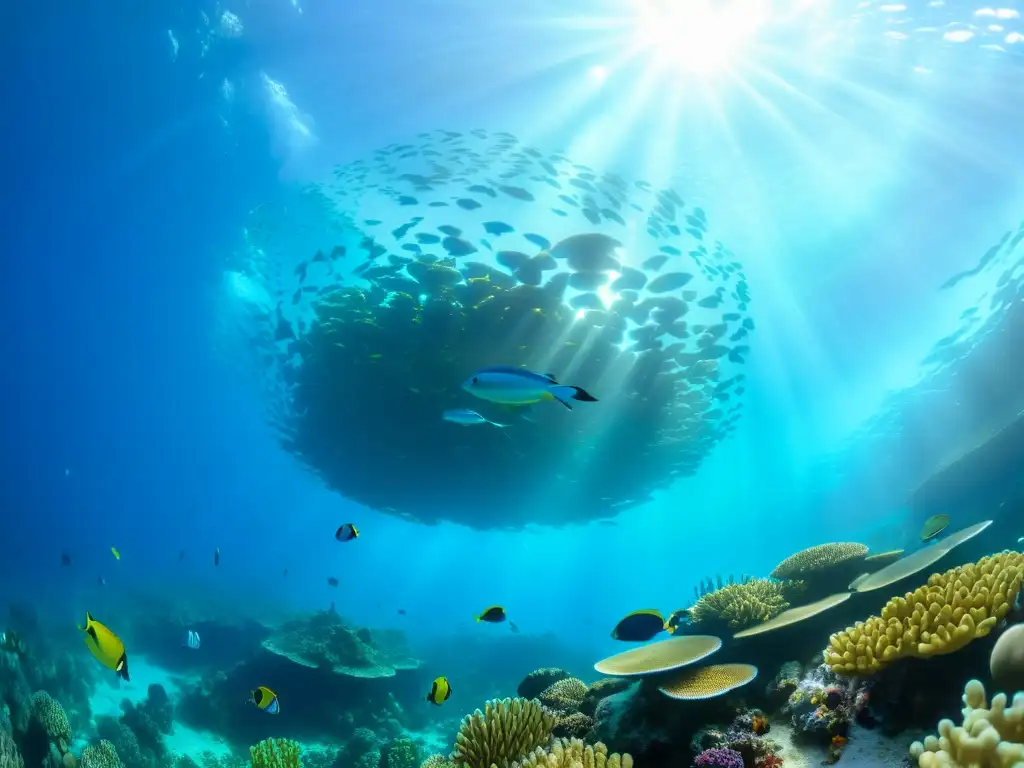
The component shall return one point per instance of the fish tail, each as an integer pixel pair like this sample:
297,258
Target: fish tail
564,393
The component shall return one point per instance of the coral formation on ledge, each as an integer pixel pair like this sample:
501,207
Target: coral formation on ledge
946,614
738,606
719,757
813,560
990,736
505,731
275,753
565,695
573,753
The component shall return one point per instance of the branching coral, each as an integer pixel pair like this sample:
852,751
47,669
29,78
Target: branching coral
573,753
505,731
946,614
101,755
739,606
565,695
10,757
276,753
990,737
822,557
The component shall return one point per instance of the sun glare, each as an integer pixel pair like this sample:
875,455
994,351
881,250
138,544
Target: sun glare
697,35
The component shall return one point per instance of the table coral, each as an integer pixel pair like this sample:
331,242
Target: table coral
950,611
991,736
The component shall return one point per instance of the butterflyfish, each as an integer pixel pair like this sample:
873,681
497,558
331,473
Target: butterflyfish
639,626
266,699
105,646
346,532
494,614
508,385
439,691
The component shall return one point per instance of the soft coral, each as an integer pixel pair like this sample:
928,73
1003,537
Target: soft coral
769,761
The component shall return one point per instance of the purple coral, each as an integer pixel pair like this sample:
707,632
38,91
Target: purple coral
719,758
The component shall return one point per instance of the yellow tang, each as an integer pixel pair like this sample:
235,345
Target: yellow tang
266,699
115,553
439,691
105,646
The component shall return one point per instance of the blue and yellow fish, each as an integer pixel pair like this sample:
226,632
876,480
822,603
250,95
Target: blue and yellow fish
639,626
508,385
266,699
105,646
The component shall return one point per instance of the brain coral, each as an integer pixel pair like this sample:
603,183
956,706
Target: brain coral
504,732
816,559
946,614
743,605
573,753
101,755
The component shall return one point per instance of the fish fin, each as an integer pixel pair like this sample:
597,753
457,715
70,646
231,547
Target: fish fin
449,693
552,377
478,619
88,618
558,397
122,668
355,532
91,632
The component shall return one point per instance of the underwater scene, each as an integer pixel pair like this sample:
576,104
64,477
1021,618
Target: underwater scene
462,384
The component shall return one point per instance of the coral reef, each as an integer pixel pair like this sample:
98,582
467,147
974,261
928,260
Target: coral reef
743,737
950,611
783,684
539,680
662,656
573,725
10,756
719,757
50,716
573,753
991,735
823,705
739,606
505,731
324,641
815,560
795,615
101,755
708,682
401,753
564,696
276,753
599,689
437,761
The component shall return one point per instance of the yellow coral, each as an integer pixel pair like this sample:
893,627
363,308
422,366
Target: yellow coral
573,753
990,736
505,731
564,695
946,614
276,753
743,605
822,557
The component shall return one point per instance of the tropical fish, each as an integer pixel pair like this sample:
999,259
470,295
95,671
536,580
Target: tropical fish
266,699
105,646
331,581
101,581
401,612
639,626
494,614
439,691
216,556
346,532
513,627
191,639
467,418
115,553
65,558
933,526
675,619
508,385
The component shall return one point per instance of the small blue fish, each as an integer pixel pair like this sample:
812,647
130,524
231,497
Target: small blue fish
191,639
507,385
466,417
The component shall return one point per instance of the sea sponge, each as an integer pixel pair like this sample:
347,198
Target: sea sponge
50,716
946,614
540,679
505,731
276,753
573,753
565,695
991,736
814,560
708,682
739,606
101,755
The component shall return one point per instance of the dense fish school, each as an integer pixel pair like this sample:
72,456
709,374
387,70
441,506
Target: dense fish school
430,260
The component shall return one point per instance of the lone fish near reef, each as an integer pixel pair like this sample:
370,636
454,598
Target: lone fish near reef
105,646
507,385
495,614
439,691
266,699
639,626
467,418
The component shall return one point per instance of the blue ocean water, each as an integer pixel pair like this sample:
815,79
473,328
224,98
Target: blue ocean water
855,156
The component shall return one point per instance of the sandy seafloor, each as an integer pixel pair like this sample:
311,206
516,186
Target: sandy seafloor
107,697
867,748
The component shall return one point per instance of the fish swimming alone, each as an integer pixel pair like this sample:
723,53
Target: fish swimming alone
216,556
105,646
467,418
507,385
346,532
115,553
266,699
332,582
191,639
639,626
493,615
439,691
